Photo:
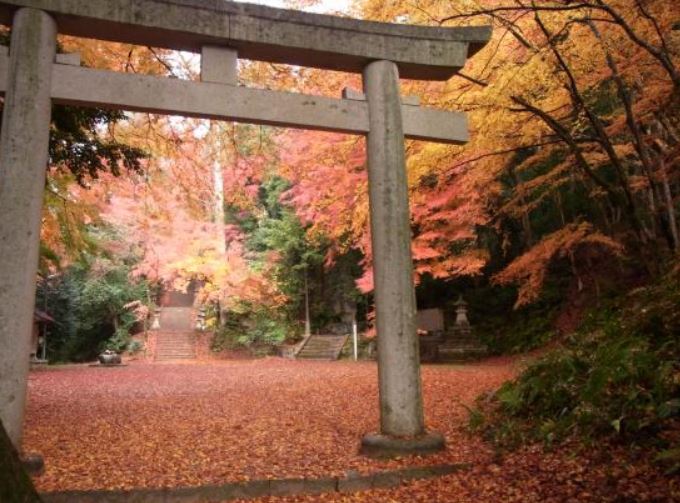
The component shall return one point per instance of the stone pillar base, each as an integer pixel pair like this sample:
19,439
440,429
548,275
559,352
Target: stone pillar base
377,445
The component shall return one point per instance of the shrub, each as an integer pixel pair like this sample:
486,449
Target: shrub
89,303
618,376
252,328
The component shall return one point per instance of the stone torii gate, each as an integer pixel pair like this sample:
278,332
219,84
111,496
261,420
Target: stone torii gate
32,77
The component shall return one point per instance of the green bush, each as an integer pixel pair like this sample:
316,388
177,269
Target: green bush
506,330
87,302
618,376
253,328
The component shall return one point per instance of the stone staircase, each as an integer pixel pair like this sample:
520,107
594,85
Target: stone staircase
177,319
176,339
175,346
322,347
461,347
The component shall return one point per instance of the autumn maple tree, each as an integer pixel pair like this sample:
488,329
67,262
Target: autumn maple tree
572,107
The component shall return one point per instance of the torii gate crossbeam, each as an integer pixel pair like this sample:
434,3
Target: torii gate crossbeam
32,77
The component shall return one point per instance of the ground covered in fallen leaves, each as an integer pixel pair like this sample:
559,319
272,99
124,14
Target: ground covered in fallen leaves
175,425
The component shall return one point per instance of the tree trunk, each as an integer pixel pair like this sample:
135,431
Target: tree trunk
15,484
670,210
308,321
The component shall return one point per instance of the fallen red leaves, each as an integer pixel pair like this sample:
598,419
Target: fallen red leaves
189,424
192,424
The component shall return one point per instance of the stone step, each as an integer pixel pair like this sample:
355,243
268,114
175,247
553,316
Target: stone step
325,340
317,353
319,348
175,345
322,347
177,319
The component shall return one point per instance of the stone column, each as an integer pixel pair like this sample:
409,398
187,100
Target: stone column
401,401
23,160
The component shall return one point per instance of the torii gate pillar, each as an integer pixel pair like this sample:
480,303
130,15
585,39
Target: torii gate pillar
402,428
23,160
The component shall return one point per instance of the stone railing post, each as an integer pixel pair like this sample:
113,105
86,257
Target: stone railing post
402,428
23,161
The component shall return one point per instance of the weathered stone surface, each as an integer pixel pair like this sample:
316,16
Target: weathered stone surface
23,160
285,487
384,446
71,58
401,402
318,486
386,480
265,33
424,472
351,482
144,93
354,482
219,64
198,494
133,496
250,489
352,94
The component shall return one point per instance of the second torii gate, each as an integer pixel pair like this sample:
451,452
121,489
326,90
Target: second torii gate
33,77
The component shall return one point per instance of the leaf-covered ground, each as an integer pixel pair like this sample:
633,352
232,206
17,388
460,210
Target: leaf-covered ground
148,425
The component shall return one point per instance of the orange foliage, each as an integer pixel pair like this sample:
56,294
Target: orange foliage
530,269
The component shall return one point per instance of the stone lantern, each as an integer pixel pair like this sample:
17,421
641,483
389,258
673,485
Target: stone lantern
461,313
200,319
460,342
156,322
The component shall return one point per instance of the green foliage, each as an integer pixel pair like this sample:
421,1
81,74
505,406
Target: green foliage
279,231
618,376
76,142
252,328
77,145
506,330
88,302
670,459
